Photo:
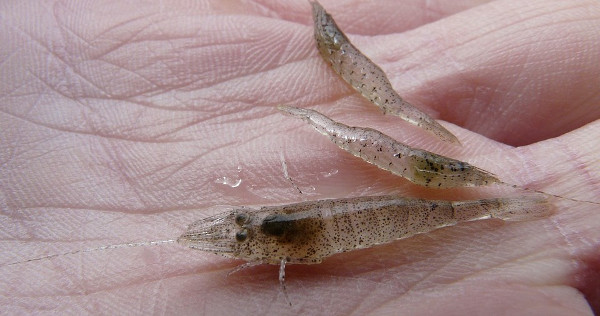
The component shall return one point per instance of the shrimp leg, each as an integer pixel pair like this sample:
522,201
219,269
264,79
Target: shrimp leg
365,76
419,166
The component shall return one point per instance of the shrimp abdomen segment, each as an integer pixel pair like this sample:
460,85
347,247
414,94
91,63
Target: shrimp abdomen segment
437,171
419,166
365,76
508,209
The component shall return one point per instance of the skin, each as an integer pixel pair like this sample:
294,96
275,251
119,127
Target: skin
122,122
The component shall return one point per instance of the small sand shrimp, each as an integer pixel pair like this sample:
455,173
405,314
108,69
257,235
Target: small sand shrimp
416,165
419,166
308,232
365,76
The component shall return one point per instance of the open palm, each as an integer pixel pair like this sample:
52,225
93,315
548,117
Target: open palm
126,121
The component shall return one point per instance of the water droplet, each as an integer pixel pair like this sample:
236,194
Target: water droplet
234,183
330,173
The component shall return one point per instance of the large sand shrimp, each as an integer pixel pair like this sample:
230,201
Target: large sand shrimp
309,232
365,76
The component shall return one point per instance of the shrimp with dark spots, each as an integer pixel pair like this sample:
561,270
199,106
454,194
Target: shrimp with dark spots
308,232
365,76
416,165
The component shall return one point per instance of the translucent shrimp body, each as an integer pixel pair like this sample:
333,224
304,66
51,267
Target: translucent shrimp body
419,166
308,232
365,76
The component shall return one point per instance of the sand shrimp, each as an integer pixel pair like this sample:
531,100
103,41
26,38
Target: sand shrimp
308,232
416,165
365,76
419,166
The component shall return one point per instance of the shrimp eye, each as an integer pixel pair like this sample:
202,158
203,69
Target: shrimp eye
241,235
241,219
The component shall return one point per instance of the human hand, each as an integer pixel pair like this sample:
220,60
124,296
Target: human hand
126,122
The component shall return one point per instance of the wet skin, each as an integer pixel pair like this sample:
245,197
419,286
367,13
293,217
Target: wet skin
118,122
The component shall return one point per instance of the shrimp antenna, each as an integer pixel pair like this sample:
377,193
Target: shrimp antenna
286,174
550,194
125,245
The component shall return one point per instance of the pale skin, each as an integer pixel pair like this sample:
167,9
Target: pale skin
128,123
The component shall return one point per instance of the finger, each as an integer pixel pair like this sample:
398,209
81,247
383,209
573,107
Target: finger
385,17
515,78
